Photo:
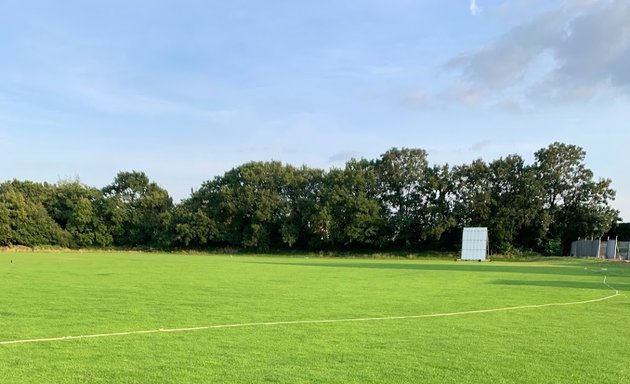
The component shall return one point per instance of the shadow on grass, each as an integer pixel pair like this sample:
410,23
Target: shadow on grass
563,284
569,269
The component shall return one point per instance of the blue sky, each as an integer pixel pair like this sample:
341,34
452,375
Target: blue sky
185,90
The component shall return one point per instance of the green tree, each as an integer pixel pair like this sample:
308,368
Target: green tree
26,221
137,210
439,218
620,230
404,192
515,204
193,227
302,193
472,200
72,206
6,232
578,205
249,206
350,214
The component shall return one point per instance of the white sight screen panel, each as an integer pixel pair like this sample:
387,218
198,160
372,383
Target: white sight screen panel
474,243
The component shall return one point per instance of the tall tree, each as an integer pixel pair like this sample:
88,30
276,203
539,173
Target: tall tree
72,206
404,189
472,205
193,227
6,232
259,202
577,205
440,198
350,214
138,211
515,203
395,201
26,221
302,194
249,206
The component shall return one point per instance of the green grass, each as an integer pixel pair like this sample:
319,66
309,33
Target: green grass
73,293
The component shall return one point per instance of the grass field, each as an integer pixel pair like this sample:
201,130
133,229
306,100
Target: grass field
49,295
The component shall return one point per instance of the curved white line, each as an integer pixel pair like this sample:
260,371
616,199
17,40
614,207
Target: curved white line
290,322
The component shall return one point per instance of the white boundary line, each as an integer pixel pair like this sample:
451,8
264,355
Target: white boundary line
609,286
291,322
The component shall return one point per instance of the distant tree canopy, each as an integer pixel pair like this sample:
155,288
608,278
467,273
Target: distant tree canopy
621,231
398,201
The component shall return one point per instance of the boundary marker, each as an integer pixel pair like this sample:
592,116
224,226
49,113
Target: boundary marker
324,321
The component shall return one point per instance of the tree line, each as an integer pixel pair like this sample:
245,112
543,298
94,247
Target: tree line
396,202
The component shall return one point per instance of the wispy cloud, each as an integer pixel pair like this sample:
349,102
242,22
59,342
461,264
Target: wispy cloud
474,8
463,94
119,101
510,105
575,53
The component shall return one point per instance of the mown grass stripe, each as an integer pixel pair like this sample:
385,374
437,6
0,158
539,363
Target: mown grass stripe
321,321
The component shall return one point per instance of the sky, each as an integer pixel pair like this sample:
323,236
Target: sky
186,90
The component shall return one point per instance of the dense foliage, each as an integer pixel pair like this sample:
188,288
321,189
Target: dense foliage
397,201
